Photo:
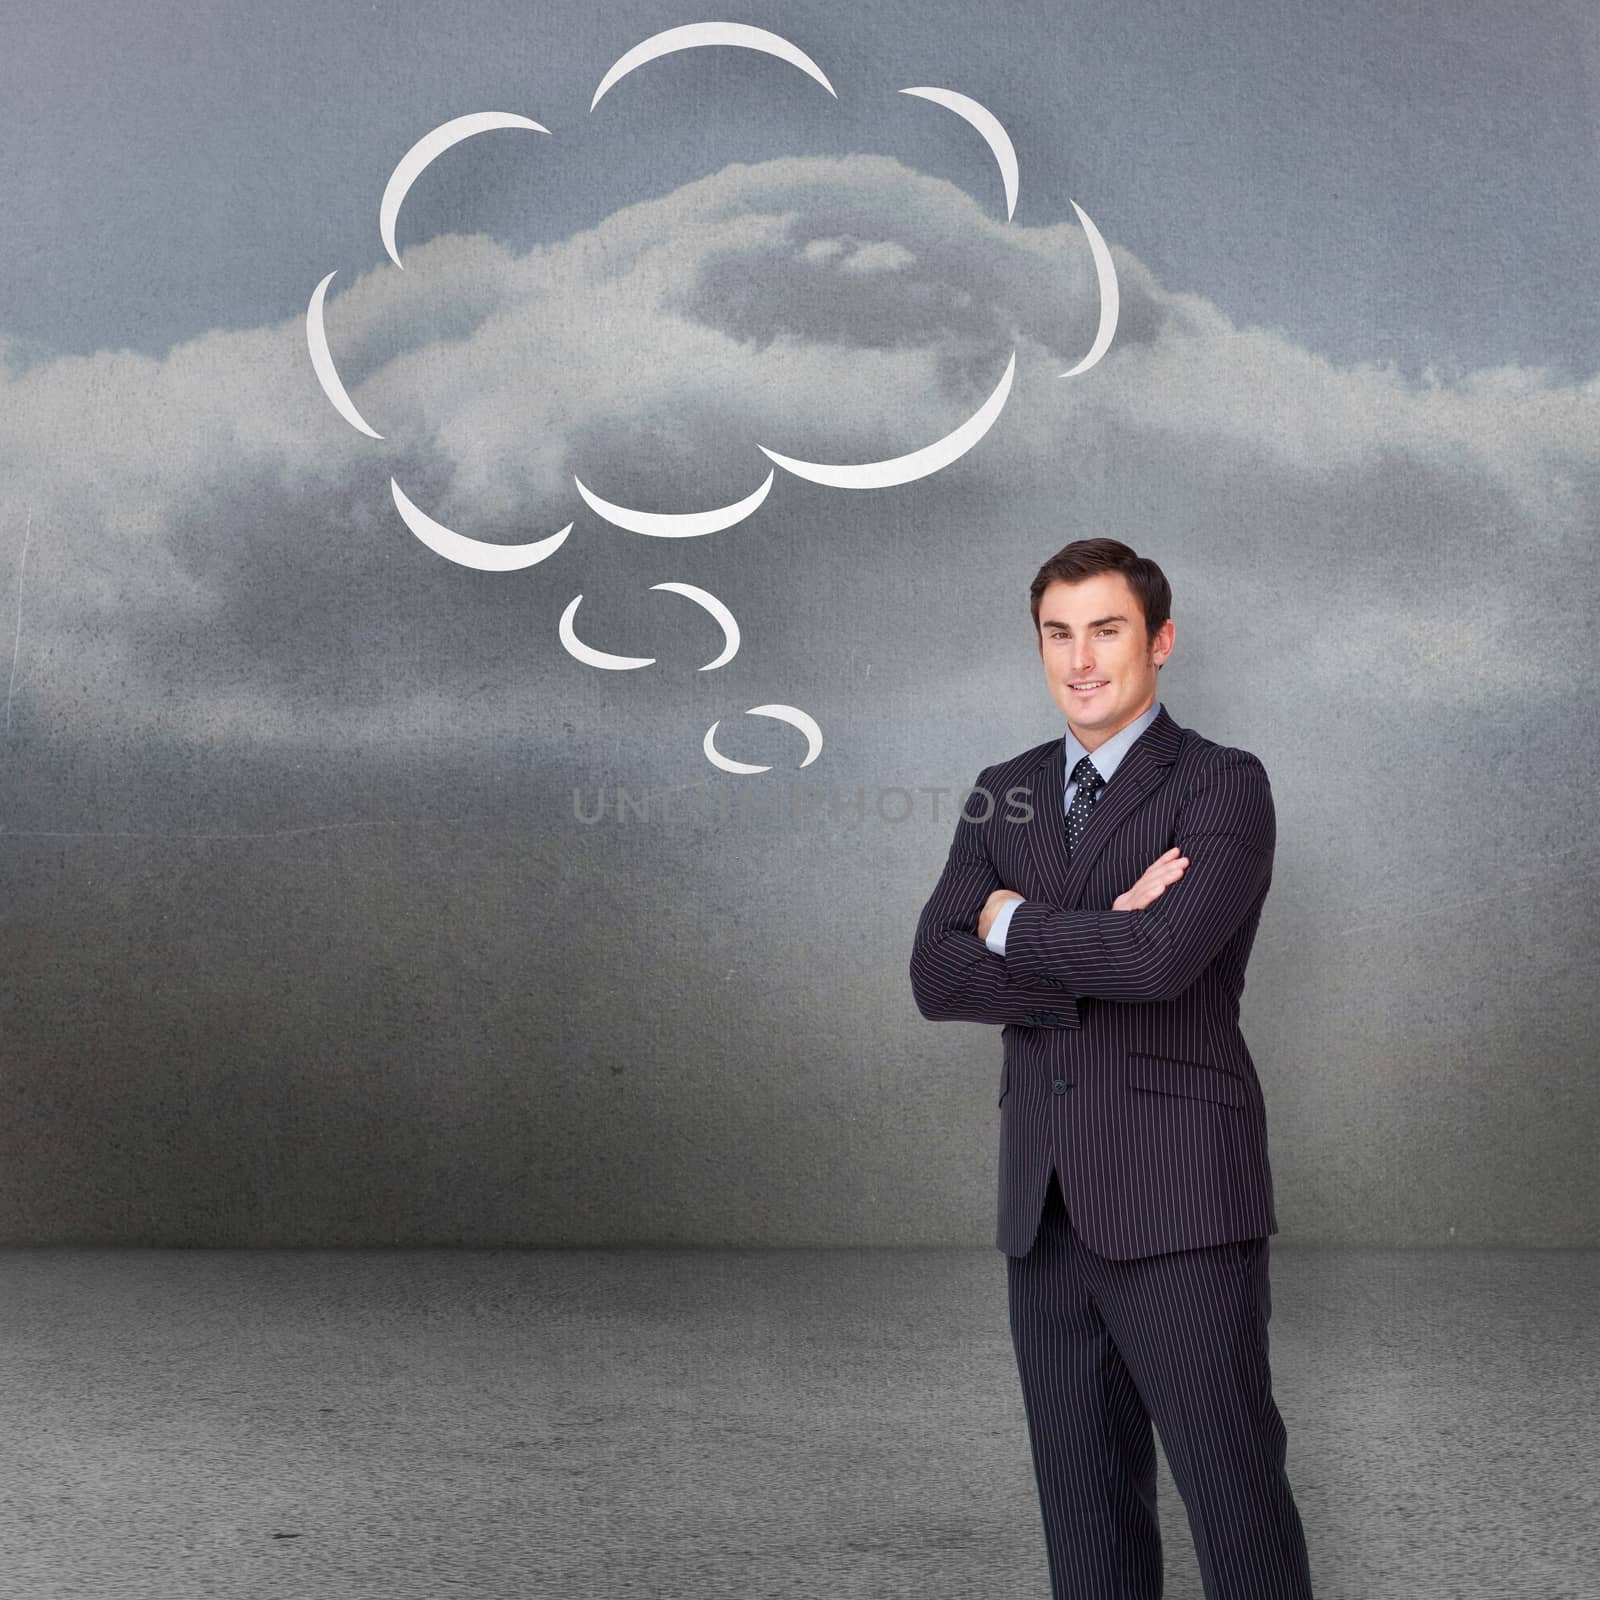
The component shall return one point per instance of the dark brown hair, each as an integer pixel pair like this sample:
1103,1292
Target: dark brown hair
1083,558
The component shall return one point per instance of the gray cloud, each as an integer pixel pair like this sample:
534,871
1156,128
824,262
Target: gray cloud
213,552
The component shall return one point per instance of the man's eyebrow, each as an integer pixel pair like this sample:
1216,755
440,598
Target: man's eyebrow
1098,622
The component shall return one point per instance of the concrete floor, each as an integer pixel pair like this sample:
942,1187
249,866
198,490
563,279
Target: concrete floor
785,1424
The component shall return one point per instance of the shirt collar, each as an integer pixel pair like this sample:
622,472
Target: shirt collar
1107,758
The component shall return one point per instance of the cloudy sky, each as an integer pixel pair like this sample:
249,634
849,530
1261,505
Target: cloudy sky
1383,180
1352,408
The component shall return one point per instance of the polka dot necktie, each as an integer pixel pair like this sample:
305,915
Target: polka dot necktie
1087,777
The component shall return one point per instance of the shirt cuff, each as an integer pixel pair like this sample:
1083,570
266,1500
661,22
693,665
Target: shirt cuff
996,939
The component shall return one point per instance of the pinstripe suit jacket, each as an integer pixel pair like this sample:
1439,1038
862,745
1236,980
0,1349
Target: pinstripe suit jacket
1124,1065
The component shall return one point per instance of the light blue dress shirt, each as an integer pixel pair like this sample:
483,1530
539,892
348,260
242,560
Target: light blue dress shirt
1105,759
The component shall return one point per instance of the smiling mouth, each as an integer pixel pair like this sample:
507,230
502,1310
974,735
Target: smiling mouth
1087,689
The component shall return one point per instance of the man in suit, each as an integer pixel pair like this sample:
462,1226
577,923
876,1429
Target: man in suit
1100,900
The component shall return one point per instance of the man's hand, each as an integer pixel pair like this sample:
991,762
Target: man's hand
991,908
1162,871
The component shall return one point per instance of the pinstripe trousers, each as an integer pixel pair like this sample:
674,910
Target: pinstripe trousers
1104,1347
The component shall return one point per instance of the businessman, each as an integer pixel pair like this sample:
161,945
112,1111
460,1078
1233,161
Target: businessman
1099,901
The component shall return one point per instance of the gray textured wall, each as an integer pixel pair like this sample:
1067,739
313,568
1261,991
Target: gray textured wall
303,941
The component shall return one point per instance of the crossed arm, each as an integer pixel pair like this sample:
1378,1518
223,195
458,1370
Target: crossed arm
1227,829
955,976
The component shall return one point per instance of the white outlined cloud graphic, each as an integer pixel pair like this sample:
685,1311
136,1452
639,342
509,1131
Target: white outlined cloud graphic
323,365
793,715
430,145
477,553
592,657
923,462
693,34
674,524
993,131
1110,300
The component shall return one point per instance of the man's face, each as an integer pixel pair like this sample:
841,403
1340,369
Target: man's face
1093,631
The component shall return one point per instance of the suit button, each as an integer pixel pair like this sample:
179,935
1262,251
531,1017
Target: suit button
1032,1017
1060,1086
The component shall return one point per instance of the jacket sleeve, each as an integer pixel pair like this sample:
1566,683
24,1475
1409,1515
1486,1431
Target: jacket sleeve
1227,828
955,976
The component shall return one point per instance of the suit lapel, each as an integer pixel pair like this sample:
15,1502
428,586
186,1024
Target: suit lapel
1143,769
